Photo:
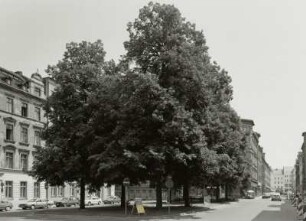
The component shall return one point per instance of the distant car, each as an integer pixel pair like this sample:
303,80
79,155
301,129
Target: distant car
5,205
67,201
266,195
250,194
112,200
276,197
34,204
94,200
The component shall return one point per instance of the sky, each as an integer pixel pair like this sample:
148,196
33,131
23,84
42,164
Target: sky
260,43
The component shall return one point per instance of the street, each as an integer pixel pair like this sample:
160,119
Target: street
245,210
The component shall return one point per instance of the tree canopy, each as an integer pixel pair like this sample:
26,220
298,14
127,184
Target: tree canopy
163,110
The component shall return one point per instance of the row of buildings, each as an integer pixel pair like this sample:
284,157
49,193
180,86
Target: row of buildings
283,180
257,166
262,177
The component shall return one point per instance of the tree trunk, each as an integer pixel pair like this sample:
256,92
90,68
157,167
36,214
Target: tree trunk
159,198
122,196
218,193
226,191
82,194
186,195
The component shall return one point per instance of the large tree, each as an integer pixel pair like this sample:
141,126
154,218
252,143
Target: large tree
68,109
164,44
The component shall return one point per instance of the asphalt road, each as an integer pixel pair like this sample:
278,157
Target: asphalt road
244,210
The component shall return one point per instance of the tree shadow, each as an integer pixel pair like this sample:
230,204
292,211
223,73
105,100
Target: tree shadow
109,213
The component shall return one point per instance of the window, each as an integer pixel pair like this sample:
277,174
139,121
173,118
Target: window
9,132
72,190
60,191
24,110
36,190
53,191
9,189
10,105
24,135
23,189
37,138
37,113
37,91
24,161
9,160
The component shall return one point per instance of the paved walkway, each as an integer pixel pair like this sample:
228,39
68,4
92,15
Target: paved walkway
244,210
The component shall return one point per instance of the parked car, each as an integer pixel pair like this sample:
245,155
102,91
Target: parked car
34,204
112,200
276,197
5,205
266,195
67,201
94,200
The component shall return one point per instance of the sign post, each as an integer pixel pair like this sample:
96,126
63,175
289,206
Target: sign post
126,183
169,185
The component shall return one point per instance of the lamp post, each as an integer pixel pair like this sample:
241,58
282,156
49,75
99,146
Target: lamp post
126,183
47,194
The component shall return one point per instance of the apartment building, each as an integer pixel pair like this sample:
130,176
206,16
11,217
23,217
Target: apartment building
282,180
257,167
21,123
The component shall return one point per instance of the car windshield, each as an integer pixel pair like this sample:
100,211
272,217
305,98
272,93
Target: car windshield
32,200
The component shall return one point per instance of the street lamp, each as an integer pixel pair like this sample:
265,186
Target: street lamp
126,183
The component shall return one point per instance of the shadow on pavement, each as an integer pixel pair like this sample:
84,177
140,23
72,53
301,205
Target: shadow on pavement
274,206
108,212
285,213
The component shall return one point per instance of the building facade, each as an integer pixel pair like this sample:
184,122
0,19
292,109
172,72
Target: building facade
267,176
21,123
256,165
299,173
282,180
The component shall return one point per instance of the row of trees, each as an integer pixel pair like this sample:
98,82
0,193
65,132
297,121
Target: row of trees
164,109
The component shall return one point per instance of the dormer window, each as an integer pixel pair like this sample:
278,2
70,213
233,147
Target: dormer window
8,81
37,91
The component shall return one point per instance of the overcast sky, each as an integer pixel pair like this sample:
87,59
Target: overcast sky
261,43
